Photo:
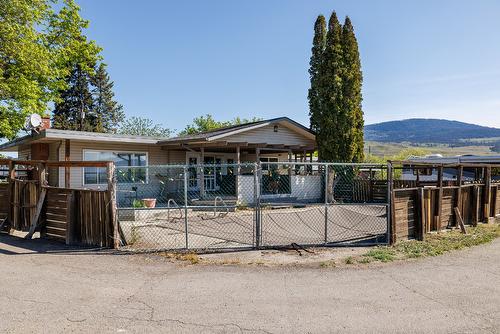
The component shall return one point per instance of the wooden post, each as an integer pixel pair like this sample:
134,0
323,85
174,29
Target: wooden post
36,217
475,205
238,173
67,169
202,172
439,207
458,203
421,206
112,202
10,194
290,166
487,194
460,221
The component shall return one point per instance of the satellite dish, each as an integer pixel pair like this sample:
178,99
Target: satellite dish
32,122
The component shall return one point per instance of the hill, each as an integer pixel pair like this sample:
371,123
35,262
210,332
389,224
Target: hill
421,131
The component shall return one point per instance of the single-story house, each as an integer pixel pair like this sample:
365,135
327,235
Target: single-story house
273,140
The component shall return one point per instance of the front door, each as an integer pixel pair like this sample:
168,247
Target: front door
212,174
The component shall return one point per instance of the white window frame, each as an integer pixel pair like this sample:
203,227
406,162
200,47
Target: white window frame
85,150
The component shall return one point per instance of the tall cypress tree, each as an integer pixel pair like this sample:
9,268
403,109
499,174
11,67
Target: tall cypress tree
335,95
74,111
352,80
107,113
319,42
330,124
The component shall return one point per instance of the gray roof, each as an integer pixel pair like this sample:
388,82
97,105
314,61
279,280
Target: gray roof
204,136
55,134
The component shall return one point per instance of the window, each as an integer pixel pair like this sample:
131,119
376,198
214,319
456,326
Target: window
268,166
96,175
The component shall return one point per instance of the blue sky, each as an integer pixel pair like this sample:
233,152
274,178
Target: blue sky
174,60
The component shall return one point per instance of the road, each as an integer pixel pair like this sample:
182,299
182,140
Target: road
47,288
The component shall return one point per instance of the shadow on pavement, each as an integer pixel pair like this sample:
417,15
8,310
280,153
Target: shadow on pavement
14,245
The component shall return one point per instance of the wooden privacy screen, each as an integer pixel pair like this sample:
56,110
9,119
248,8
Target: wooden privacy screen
74,216
80,217
416,211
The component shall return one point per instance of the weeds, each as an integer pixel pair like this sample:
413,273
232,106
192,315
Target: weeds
435,244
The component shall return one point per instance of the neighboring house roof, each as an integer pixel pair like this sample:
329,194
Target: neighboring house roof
488,159
219,134
49,135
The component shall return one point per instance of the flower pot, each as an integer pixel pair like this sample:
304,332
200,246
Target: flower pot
149,202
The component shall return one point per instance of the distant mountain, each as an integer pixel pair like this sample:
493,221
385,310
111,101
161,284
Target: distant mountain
419,130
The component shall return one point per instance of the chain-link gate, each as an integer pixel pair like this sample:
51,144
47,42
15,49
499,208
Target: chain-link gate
227,206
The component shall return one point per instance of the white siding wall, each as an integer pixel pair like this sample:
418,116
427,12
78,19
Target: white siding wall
156,156
305,188
266,134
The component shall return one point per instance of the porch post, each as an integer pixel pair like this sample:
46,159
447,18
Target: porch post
238,172
202,172
290,165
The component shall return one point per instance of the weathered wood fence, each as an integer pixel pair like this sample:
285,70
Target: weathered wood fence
75,216
420,207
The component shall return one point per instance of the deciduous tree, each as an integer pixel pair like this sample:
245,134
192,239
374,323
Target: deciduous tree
141,126
39,47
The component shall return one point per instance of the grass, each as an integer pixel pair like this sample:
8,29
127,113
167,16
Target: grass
434,244
188,257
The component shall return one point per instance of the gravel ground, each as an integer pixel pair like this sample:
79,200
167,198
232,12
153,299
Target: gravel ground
48,288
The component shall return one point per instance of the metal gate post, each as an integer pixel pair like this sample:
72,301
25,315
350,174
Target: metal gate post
256,197
389,202
185,205
326,203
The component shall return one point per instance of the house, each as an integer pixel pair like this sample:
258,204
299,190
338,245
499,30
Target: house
273,140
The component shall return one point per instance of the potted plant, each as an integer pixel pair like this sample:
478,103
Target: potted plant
149,202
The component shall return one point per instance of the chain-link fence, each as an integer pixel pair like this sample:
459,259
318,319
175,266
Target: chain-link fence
252,205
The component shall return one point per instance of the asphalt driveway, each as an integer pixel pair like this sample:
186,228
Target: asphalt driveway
47,288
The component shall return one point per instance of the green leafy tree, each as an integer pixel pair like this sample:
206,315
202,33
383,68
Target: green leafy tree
141,126
107,112
208,123
335,94
38,50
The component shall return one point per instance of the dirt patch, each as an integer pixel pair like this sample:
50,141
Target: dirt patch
327,257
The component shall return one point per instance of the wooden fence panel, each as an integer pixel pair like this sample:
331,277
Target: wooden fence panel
24,198
447,212
93,218
406,214
58,214
4,200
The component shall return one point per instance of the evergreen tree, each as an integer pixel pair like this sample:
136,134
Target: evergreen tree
319,42
74,111
107,113
352,79
330,127
335,95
